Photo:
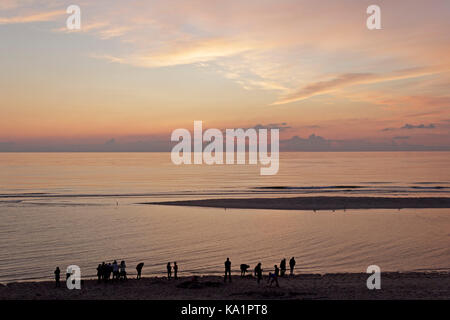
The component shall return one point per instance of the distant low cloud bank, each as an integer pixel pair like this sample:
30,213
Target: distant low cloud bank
293,144
318,143
411,126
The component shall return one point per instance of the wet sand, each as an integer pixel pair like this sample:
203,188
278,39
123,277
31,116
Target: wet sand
346,286
316,203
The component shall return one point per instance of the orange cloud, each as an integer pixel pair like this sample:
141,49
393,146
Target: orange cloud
350,79
35,17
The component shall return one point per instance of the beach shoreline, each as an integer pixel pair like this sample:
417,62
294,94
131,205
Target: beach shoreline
315,203
340,286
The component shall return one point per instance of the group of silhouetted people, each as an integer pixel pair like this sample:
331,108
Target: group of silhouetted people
273,276
107,270
169,271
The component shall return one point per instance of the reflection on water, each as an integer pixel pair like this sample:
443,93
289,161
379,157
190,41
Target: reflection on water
153,175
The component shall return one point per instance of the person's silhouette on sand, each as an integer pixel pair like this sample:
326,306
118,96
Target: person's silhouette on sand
244,268
57,277
104,267
175,270
139,270
115,268
99,273
227,270
283,267
109,270
258,272
169,271
123,271
273,277
292,265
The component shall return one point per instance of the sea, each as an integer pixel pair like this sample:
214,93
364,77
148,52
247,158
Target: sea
61,209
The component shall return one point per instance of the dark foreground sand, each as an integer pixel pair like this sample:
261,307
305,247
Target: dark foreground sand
316,203
309,286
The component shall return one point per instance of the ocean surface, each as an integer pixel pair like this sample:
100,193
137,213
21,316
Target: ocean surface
58,209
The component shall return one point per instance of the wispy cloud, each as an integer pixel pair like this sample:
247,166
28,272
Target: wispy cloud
34,17
182,53
351,79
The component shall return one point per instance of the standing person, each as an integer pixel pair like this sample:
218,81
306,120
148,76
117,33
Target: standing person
99,273
169,271
227,270
57,277
283,267
115,267
103,271
123,272
292,265
109,270
175,270
139,270
258,272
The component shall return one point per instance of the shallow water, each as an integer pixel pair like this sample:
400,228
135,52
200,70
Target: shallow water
84,210
38,238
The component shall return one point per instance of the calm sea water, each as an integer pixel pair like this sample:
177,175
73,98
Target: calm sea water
84,208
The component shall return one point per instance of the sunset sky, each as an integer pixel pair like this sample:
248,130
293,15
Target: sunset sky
137,70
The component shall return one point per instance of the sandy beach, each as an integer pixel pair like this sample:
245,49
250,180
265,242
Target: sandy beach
316,203
347,286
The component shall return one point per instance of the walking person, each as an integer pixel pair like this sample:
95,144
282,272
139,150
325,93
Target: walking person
57,277
227,270
169,271
139,270
175,270
292,265
258,272
273,277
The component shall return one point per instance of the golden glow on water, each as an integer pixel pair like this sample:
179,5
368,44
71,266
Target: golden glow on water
82,208
146,173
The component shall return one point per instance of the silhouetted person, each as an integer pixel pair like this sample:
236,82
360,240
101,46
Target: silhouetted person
244,268
57,277
283,267
103,271
109,270
169,271
99,273
273,277
175,270
292,265
227,270
123,272
139,270
115,270
258,272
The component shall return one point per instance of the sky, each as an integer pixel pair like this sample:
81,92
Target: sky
137,70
